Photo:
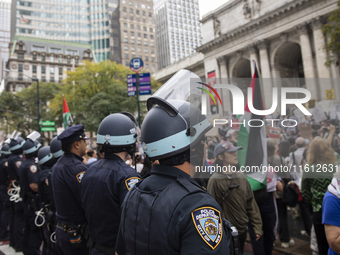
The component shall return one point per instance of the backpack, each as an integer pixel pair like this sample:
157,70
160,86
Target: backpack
290,195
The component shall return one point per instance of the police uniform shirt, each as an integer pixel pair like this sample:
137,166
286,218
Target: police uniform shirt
104,187
186,230
28,173
3,171
66,177
44,184
14,163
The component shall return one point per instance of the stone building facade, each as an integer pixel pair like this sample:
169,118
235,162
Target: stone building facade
45,60
284,38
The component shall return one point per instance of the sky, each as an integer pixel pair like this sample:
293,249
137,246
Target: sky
209,5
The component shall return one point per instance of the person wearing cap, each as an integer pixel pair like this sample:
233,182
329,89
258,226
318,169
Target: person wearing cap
233,193
5,213
66,179
29,178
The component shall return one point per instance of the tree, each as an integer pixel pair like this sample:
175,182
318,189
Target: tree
25,102
95,90
332,32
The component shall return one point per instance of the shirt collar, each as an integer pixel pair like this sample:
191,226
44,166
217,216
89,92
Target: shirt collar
74,155
112,156
170,171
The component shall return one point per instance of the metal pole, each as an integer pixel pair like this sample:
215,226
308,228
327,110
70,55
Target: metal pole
38,105
137,90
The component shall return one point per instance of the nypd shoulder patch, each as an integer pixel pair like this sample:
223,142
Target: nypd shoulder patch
6,164
33,169
46,181
208,223
131,181
80,176
18,163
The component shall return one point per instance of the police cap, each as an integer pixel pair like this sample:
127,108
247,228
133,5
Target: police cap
72,134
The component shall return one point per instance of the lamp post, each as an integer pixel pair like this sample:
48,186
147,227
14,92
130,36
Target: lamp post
38,99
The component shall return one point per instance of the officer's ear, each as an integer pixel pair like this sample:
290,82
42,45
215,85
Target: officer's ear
76,144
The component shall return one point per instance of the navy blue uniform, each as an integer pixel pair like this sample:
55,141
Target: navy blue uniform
104,187
28,174
5,207
170,213
17,223
66,178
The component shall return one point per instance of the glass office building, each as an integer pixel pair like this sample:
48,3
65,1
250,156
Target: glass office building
79,21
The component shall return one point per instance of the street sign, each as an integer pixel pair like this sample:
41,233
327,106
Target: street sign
144,84
47,129
47,123
136,65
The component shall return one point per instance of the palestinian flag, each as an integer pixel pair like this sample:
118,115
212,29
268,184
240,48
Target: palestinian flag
67,118
253,140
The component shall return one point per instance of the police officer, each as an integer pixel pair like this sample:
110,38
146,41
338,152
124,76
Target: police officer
17,223
29,178
5,207
66,177
55,148
107,181
46,162
169,212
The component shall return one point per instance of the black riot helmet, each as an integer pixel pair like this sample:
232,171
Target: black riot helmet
118,132
45,156
31,145
16,145
55,148
173,125
5,149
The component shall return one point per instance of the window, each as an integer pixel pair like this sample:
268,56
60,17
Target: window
145,29
130,3
149,7
126,47
60,70
125,33
43,58
152,59
34,69
34,57
150,15
139,42
146,58
131,17
20,67
132,33
125,40
137,12
77,61
20,47
147,66
143,6
125,24
153,67
127,63
143,13
152,51
136,5
151,29
43,78
51,70
132,48
145,36
60,60
139,34
43,69
38,48
138,27
132,26
132,41
152,44
146,50
20,77
68,61
145,43
126,55
72,52
55,50
131,10
151,36
51,58
124,9
20,55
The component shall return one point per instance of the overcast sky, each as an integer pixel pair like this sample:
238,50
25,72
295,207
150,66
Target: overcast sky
209,5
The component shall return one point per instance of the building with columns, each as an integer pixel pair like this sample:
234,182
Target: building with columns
42,59
285,39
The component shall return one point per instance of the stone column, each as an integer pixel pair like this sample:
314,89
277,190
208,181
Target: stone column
321,56
307,60
267,85
253,56
224,79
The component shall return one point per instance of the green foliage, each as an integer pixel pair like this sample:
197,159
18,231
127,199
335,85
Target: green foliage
25,102
95,90
332,32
